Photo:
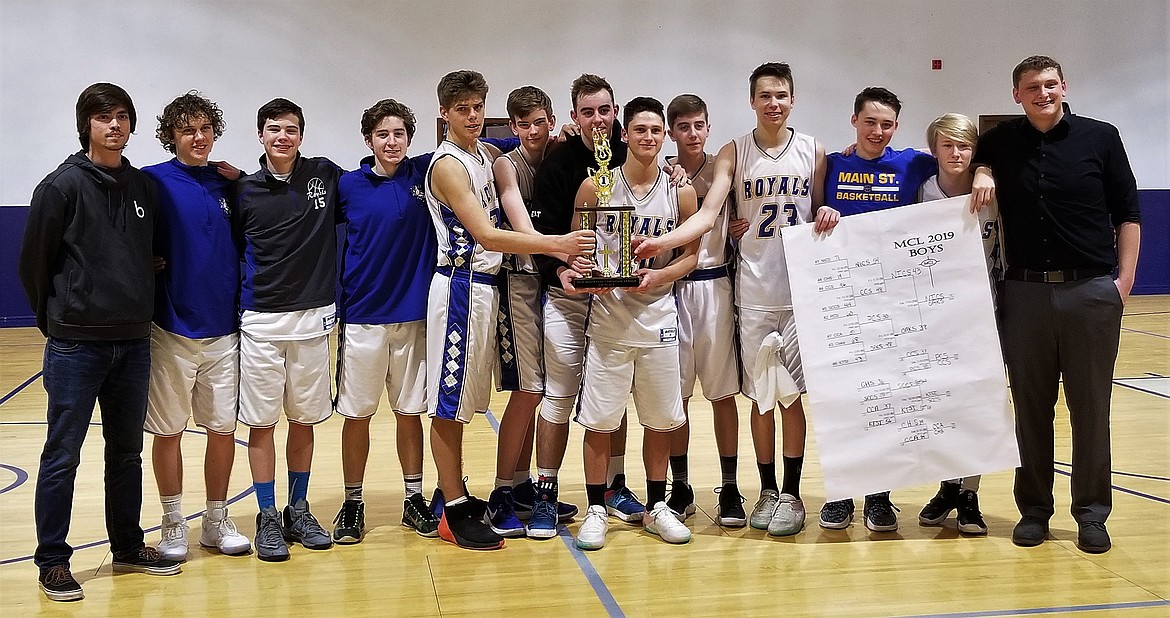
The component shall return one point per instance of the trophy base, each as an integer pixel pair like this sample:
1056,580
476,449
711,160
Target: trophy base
606,282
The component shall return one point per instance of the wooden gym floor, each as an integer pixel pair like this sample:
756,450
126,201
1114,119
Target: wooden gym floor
915,571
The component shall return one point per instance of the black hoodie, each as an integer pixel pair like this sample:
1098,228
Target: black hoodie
87,259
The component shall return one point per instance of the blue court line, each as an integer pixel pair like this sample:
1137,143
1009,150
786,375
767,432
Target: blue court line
21,477
591,575
230,501
603,594
1129,474
16,390
1060,609
1126,490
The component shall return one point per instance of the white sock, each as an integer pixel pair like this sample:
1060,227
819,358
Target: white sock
172,504
413,483
617,465
216,510
521,477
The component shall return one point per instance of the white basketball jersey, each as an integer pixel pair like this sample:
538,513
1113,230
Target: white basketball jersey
457,248
713,248
624,316
988,227
771,193
525,178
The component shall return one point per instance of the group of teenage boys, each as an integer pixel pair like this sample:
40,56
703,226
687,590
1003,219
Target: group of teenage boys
455,266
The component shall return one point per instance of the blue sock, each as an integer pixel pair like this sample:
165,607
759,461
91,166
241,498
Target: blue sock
298,486
265,494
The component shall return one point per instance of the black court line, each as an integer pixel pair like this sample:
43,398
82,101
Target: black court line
1142,390
1146,313
1060,609
1143,332
17,390
1117,473
1125,490
230,501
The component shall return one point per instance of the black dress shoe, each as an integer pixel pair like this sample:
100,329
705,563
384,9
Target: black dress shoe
1030,531
1092,538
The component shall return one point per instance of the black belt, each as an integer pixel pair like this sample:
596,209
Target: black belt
1055,276
476,276
707,274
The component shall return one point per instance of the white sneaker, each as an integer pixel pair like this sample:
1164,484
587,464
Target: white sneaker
788,518
219,532
765,508
591,534
662,521
173,545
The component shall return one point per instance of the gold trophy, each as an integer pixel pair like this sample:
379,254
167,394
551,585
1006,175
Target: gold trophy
607,274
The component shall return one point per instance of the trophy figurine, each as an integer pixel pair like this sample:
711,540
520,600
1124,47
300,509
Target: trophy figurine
607,273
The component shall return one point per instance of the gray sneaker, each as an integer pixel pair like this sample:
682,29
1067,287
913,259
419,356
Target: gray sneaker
301,527
270,545
764,509
788,518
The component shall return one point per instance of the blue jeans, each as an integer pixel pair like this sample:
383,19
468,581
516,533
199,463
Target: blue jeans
77,374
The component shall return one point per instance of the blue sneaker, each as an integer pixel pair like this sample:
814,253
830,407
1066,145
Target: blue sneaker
524,499
437,503
543,523
500,514
624,505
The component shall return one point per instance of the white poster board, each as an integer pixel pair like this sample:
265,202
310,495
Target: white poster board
901,355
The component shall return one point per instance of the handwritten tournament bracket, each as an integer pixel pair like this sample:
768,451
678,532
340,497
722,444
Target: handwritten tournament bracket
901,356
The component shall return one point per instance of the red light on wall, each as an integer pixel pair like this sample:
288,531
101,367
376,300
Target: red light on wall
936,64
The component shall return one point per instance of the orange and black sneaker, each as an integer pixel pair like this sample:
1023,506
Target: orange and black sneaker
460,525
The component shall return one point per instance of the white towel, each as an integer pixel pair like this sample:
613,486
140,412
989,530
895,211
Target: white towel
773,381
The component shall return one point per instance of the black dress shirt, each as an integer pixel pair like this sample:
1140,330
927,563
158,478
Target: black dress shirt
555,188
1062,193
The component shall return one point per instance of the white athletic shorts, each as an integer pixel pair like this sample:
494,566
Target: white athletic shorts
754,325
373,357
520,334
192,378
564,342
461,343
293,373
706,337
612,370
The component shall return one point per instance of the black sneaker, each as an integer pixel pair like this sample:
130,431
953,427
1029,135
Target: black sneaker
940,506
681,500
462,524
879,513
731,513
58,584
970,519
837,515
417,515
524,498
350,524
1093,538
146,560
